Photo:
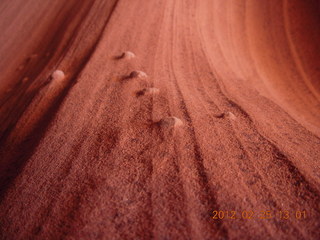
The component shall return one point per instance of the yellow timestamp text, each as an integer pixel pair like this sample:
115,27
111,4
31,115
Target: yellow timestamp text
263,214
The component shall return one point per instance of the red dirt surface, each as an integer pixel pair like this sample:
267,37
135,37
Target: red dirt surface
91,156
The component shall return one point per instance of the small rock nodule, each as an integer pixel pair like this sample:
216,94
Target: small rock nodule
171,122
128,55
138,74
148,91
58,75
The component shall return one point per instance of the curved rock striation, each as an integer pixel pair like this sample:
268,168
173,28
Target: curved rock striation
87,155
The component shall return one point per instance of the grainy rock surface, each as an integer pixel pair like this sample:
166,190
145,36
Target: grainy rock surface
86,159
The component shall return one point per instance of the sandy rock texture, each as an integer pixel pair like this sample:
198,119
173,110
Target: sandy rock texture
217,138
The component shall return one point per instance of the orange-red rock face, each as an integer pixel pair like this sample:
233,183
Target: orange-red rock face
226,117
273,46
